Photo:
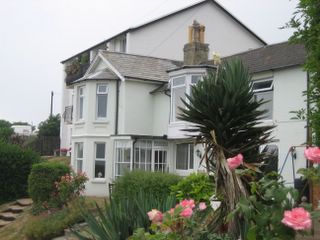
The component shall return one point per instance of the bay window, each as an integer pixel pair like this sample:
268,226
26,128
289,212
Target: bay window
80,103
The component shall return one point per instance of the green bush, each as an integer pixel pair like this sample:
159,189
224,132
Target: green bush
42,180
15,166
53,225
156,183
121,217
197,186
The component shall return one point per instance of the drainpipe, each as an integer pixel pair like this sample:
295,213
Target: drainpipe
117,107
309,130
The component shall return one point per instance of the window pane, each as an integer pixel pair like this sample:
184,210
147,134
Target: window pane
178,81
102,105
182,157
191,156
126,153
195,79
265,96
79,147
178,94
81,107
79,166
102,88
100,167
262,85
100,150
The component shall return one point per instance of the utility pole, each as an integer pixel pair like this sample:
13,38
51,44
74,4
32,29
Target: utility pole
51,104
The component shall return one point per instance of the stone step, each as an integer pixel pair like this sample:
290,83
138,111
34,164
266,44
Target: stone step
4,223
15,209
24,202
8,216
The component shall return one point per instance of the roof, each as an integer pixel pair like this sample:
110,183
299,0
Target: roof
140,67
166,16
270,57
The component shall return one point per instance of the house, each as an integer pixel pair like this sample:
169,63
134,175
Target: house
121,111
23,130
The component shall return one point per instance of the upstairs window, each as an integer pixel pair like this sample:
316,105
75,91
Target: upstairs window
102,101
263,90
80,103
180,86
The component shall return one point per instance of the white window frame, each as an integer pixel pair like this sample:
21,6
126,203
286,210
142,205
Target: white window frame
98,93
120,147
189,168
78,158
96,159
266,89
188,84
80,108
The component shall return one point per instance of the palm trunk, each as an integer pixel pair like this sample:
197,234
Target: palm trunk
229,185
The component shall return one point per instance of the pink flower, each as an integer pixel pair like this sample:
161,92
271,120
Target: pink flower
312,154
202,206
186,213
171,211
187,203
297,218
155,216
235,161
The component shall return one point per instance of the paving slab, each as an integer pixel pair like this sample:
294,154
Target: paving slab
15,209
4,223
8,216
24,202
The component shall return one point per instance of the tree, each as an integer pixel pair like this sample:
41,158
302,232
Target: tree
306,22
50,127
225,119
5,130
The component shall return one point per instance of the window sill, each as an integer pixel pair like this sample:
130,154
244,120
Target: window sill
99,180
81,122
102,121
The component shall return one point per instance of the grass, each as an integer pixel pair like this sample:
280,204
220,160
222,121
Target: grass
26,222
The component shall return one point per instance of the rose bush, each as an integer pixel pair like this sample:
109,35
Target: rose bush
297,218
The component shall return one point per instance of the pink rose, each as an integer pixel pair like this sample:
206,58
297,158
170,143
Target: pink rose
186,213
297,218
155,216
187,203
202,206
312,154
171,211
235,161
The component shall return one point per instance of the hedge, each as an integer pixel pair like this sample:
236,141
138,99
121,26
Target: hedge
15,166
42,178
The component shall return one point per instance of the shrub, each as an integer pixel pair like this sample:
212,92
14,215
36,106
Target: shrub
197,186
15,166
156,183
120,217
53,225
42,180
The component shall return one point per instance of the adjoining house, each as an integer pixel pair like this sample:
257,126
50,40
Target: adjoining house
121,113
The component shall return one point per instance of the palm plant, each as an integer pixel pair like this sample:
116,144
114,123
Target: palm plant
225,118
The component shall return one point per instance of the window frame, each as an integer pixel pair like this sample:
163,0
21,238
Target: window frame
268,115
98,93
80,107
96,159
120,146
77,158
189,159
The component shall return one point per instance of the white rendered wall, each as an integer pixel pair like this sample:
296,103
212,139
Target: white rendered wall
161,114
167,37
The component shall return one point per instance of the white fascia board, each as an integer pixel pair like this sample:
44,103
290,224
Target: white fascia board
111,67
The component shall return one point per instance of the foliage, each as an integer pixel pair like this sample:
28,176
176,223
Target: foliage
263,210
50,127
69,187
41,181
312,173
49,226
156,183
120,217
223,102
184,222
197,186
306,22
15,166
5,130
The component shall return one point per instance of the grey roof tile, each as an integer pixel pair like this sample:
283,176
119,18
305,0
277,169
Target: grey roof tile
141,67
273,56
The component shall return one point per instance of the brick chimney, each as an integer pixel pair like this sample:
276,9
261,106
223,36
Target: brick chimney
196,51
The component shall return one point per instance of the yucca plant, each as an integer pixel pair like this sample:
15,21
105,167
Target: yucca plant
225,118
120,218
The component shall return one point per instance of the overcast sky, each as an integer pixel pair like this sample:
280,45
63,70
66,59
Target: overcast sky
35,35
